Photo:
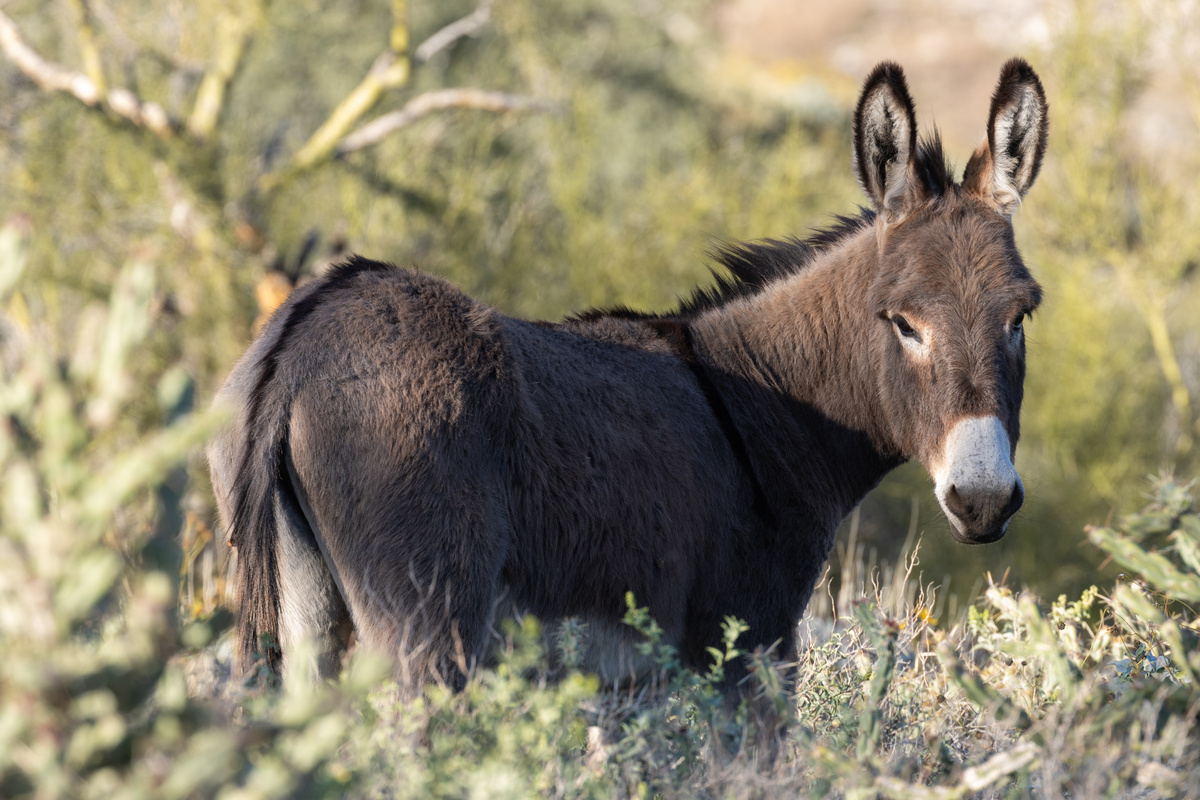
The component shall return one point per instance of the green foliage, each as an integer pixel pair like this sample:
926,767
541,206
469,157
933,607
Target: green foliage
93,700
513,732
650,152
126,268
1115,243
1089,698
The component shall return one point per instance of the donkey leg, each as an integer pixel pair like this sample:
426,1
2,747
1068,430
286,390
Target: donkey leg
423,592
314,624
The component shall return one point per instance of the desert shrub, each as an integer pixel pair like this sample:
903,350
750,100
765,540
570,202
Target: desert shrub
94,697
1094,697
126,272
106,690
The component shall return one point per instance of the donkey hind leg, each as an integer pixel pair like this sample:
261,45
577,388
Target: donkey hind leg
430,610
314,624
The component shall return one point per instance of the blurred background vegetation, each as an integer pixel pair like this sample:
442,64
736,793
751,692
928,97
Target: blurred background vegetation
169,170
617,141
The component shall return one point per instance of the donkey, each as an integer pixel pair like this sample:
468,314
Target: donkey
404,456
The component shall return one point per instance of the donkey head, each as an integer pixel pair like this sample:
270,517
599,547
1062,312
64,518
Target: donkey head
951,293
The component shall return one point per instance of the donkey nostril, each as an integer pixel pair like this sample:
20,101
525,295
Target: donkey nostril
1014,502
959,507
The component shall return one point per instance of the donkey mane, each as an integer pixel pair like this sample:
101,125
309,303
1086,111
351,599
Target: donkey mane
744,269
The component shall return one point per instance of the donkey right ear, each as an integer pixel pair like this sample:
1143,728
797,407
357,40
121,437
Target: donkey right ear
1004,167
885,133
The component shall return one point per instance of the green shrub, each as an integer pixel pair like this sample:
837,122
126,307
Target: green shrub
94,699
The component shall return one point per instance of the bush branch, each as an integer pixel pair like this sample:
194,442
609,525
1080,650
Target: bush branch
233,36
378,129
55,78
390,70
467,26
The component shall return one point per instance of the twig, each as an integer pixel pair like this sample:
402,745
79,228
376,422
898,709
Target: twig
233,35
390,70
973,779
467,26
56,78
87,44
376,130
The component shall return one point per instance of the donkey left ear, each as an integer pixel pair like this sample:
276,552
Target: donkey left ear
1005,166
885,137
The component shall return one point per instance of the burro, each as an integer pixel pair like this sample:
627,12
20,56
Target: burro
404,457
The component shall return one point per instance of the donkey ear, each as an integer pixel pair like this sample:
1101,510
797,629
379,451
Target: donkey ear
1004,167
885,135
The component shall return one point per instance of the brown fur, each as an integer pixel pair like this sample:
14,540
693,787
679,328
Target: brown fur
404,456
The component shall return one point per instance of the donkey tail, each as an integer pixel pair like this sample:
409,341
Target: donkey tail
251,480
250,474
254,526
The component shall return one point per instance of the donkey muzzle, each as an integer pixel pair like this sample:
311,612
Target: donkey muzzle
977,485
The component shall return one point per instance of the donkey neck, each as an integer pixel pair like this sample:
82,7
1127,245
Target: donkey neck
802,346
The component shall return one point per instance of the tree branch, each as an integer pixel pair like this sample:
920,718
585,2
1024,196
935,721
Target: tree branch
376,130
87,44
55,78
467,26
233,35
398,40
390,70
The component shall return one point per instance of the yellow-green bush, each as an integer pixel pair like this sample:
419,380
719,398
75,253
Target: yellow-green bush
126,272
93,695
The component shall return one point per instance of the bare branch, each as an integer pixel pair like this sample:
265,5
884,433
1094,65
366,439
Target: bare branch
55,78
390,70
375,131
387,73
467,26
50,77
233,35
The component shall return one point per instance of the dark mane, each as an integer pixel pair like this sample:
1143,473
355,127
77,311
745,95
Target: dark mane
747,268
750,266
936,172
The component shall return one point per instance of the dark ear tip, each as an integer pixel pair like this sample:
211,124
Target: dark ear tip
884,70
888,72
1015,73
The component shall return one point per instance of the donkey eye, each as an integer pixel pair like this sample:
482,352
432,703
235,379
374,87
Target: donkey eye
906,330
1016,325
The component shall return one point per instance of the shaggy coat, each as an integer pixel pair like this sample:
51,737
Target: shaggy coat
404,457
